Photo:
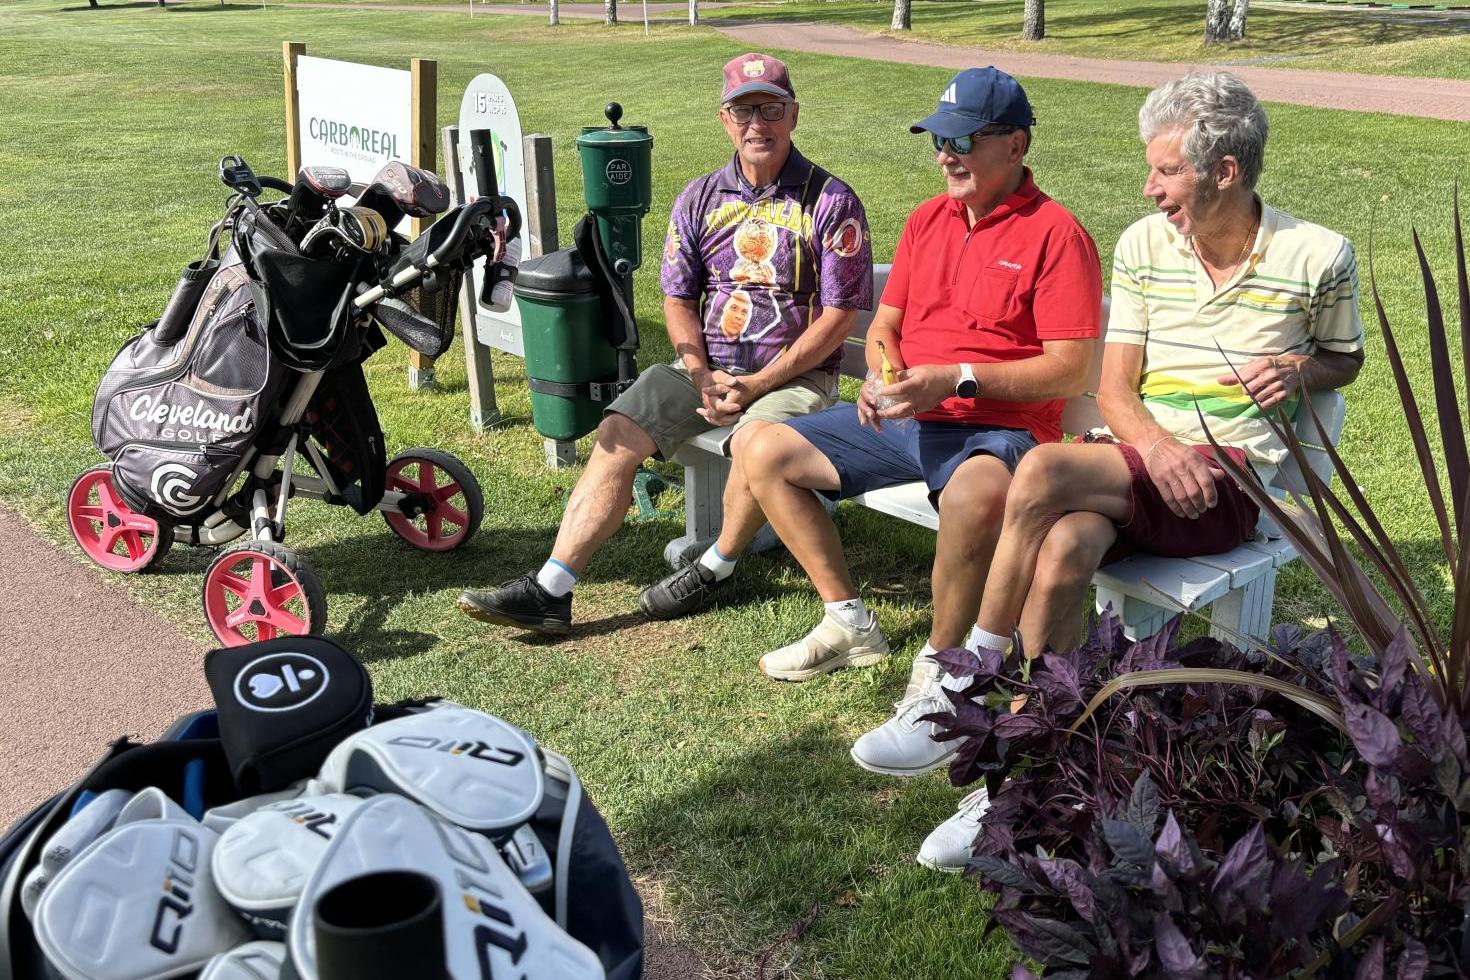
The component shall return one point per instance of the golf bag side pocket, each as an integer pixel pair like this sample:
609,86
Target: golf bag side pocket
179,313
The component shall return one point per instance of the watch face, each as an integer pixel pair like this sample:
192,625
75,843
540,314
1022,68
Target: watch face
966,388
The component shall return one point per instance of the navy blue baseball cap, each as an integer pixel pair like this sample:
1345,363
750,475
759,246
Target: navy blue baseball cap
975,98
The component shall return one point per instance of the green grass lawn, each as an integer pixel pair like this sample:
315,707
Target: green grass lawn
1278,36
732,797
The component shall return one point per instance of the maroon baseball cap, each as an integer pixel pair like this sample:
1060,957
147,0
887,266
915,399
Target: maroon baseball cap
756,73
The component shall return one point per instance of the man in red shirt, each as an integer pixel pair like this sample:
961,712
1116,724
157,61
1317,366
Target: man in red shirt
988,323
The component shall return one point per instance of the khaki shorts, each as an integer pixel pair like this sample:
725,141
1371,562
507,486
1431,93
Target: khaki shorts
663,402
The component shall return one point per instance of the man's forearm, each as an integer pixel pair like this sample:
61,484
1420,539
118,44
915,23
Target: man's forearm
808,351
1032,379
1128,419
1328,370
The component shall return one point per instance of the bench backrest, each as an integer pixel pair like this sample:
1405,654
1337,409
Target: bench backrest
1081,414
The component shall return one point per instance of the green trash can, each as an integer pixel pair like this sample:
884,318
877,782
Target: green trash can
571,366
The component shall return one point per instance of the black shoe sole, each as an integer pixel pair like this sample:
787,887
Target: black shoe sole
550,627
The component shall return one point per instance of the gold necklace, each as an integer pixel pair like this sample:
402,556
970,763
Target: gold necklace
1250,235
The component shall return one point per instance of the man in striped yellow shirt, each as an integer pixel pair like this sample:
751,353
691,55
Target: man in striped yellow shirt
1216,297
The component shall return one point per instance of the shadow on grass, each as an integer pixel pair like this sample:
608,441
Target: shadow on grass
173,5
765,836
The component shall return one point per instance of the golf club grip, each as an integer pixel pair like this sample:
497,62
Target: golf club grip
275,184
482,152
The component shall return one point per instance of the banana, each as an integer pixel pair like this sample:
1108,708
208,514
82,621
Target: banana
889,374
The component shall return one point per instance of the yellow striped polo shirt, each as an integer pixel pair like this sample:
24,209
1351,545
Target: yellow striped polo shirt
1297,293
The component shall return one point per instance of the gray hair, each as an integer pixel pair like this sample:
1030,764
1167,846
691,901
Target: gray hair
1216,115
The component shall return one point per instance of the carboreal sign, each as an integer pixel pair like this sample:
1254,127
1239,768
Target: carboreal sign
487,104
353,116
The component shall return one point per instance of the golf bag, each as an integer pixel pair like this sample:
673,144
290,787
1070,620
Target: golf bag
530,831
181,404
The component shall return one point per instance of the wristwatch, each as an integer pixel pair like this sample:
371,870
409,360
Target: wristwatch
967,386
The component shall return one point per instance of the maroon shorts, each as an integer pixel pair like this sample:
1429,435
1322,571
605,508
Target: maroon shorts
1153,527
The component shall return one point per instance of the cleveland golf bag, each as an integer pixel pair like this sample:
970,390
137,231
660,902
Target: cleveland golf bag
255,368
298,832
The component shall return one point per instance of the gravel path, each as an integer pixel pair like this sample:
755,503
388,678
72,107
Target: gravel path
82,664
1431,98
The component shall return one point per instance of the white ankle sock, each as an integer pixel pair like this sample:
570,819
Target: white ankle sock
852,612
946,680
556,578
714,561
990,641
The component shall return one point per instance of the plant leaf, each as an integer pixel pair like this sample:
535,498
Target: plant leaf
1315,703
1176,956
1142,809
959,662
1374,735
1129,844
1413,961
1244,873
1052,941
1447,407
1370,967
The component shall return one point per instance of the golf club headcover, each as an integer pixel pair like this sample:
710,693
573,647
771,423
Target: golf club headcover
85,826
137,904
31,888
262,861
221,818
469,767
492,925
259,960
283,704
150,803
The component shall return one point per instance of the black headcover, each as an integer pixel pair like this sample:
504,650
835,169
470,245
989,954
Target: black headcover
283,705
342,420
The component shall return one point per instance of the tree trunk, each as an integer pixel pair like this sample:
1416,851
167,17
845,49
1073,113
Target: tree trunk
1033,25
610,8
1217,21
555,13
1237,19
902,15
693,13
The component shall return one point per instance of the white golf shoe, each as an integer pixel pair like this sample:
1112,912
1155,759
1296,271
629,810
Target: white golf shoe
832,644
903,745
948,846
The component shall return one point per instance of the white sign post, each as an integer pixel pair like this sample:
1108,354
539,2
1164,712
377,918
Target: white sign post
487,104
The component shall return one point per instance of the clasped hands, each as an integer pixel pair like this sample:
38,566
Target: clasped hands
725,397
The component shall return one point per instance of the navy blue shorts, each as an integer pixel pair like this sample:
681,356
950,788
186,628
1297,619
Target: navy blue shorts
903,452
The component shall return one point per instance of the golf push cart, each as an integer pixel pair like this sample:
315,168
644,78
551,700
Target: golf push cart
256,366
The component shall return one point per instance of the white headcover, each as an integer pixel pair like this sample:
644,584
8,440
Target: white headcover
262,861
83,828
221,818
492,925
467,766
137,904
259,960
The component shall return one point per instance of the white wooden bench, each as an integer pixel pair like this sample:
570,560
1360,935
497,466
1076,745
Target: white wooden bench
1238,585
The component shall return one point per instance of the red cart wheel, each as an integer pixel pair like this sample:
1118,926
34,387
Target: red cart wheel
108,530
262,590
444,491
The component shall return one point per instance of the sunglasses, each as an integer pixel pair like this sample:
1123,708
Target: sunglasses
960,145
743,113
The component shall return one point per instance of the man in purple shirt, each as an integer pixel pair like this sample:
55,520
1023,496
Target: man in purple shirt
766,263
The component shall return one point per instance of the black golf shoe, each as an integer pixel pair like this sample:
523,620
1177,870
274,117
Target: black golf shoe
520,602
680,593
692,552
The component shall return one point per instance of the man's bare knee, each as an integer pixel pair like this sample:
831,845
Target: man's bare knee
1071,551
743,437
621,437
974,500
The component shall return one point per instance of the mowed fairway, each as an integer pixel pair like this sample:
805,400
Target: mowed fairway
733,798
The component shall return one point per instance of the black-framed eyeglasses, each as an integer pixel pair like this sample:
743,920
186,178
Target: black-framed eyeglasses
743,112
960,145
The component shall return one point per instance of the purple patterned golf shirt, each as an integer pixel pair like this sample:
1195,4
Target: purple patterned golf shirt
763,268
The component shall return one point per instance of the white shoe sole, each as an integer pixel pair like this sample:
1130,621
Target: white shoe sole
903,773
863,657
933,865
